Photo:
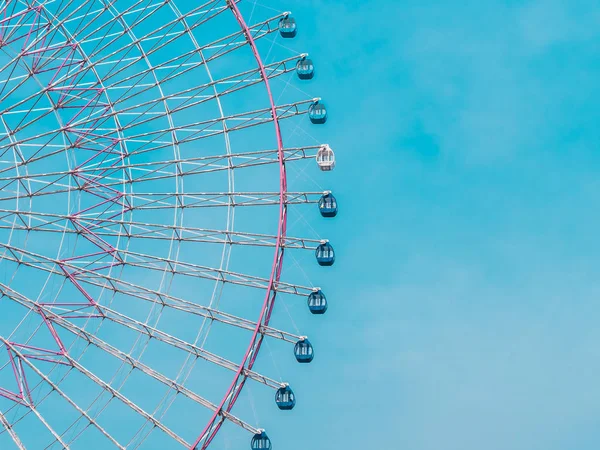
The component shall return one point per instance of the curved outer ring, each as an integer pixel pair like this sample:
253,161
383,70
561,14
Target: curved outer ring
249,358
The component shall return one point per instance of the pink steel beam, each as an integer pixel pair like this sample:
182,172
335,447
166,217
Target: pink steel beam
90,186
249,358
16,364
22,385
93,187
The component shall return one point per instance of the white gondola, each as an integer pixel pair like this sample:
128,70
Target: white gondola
326,158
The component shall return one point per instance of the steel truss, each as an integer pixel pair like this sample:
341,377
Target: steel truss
99,120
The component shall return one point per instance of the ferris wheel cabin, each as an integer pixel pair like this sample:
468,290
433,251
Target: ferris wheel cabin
317,302
317,113
285,398
328,205
288,27
305,69
325,254
326,158
261,441
303,351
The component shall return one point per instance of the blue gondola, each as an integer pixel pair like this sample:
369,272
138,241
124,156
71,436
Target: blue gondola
328,205
285,398
288,27
325,254
317,113
261,441
317,303
303,351
305,69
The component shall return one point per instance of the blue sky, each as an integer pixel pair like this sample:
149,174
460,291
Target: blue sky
465,299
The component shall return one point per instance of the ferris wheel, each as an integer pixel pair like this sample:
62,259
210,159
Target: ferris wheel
144,216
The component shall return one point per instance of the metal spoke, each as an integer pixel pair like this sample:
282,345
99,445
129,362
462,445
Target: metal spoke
55,388
111,120
136,291
11,432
